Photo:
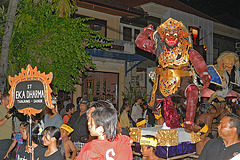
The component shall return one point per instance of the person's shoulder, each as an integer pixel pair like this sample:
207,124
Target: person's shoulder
69,142
123,138
58,116
75,114
18,135
214,141
57,155
89,145
46,116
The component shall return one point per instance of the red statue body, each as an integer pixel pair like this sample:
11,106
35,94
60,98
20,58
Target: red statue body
173,75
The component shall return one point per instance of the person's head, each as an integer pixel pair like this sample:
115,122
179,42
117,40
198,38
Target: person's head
148,145
5,99
78,99
138,100
145,105
95,99
35,133
68,99
141,122
84,104
125,101
23,131
229,126
70,108
212,109
51,136
205,99
66,130
124,107
204,107
228,60
99,103
103,120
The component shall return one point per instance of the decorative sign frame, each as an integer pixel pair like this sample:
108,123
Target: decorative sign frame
33,91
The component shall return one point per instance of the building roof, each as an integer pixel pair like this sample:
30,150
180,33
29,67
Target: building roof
168,3
111,7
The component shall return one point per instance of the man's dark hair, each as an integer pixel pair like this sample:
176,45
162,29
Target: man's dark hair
137,98
53,132
35,130
145,103
148,146
95,99
105,115
79,99
67,98
69,106
125,100
234,122
140,119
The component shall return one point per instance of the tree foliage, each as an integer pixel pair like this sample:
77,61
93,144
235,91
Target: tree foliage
53,44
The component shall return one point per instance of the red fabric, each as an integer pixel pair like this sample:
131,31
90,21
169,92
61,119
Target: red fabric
119,149
66,118
171,117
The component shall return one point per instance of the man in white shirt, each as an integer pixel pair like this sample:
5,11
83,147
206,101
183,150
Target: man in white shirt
136,109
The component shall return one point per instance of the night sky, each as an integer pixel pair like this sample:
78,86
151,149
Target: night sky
225,11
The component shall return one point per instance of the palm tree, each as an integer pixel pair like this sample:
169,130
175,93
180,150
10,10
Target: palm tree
63,6
6,42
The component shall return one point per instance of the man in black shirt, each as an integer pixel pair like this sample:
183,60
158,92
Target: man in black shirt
228,145
79,123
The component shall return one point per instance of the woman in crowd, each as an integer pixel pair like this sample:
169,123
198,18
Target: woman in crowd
50,140
53,118
24,150
124,120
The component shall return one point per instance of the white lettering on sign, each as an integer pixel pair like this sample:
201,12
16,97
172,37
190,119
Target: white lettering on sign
23,101
35,94
37,101
30,94
20,94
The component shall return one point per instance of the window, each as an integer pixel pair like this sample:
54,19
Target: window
127,34
136,33
96,24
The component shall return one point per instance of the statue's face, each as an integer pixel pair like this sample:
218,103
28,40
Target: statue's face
228,62
171,37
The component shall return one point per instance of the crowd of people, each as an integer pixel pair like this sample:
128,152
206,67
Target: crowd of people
98,130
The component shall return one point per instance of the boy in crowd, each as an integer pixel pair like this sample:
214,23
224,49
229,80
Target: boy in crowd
68,146
141,122
70,108
102,123
148,147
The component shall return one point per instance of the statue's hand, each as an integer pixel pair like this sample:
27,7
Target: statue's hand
205,80
150,30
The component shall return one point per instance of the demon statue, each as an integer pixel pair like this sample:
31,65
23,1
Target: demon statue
225,75
177,64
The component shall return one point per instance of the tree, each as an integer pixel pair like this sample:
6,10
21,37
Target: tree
53,44
6,42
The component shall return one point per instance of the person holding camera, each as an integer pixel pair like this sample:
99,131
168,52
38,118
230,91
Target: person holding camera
5,126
